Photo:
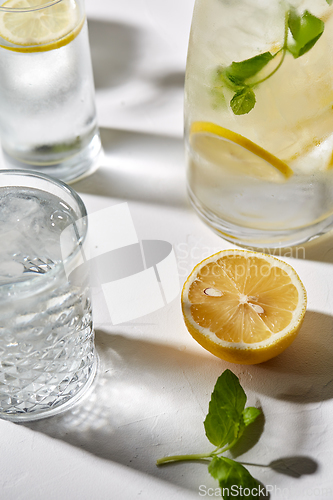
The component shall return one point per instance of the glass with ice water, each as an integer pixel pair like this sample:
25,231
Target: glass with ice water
259,121
47,103
47,354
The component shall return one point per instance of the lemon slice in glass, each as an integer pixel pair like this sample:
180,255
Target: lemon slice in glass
244,307
235,153
39,29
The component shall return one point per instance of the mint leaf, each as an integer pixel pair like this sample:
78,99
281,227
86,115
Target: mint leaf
240,71
329,2
243,101
234,479
226,420
306,31
226,80
222,424
248,417
294,23
234,76
301,34
250,414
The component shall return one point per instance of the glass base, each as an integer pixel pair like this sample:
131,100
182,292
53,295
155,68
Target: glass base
60,407
256,238
70,170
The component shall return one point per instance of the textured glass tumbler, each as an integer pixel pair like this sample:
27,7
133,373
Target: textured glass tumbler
47,353
47,98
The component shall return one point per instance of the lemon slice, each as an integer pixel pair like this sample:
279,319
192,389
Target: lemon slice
41,29
235,153
244,307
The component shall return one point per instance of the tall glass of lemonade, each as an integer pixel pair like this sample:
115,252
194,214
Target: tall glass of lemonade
259,119
47,107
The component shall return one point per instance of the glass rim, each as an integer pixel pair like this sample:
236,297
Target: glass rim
48,178
29,9
38,279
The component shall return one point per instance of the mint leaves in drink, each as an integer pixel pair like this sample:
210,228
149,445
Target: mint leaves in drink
300,35
238,72
225,423
306,31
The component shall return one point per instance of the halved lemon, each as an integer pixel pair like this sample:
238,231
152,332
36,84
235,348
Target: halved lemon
41,29
244,307
235,153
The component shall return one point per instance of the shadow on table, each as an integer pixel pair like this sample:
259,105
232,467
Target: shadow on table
163,89
114,52
134,417
304,372
139,166
292,466
127,416
318,249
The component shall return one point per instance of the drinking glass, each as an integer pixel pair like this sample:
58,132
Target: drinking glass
47,353
259,119
47,103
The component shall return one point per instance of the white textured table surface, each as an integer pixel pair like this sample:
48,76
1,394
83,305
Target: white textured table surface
154,381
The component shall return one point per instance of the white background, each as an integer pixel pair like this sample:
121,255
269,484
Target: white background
154,382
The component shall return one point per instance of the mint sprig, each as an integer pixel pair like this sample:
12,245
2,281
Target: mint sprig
240,71
306,31
233,478
301,33
224,424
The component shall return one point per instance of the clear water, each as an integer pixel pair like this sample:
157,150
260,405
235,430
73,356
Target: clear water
47,109
46,336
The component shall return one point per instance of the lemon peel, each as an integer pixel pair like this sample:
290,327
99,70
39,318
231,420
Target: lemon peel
244,307
236,153
39,30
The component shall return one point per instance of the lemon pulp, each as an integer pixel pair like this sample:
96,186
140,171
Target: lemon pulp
41,29
243,306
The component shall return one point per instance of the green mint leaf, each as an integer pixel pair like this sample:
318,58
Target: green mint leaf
221,78
294,23
306,31
234,82
225,414
248,417
234,479
250,414
329,2
243,101
240,71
